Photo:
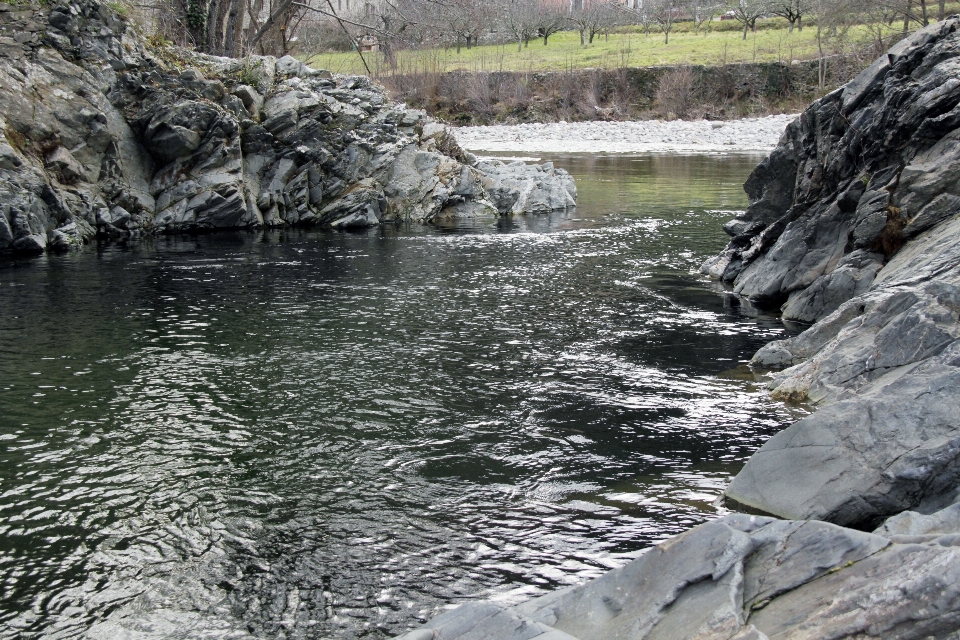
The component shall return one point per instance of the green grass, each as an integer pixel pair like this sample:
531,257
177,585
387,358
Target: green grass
628,49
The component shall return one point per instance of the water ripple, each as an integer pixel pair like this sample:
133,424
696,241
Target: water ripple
316,435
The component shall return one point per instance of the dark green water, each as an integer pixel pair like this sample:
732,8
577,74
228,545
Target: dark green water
330,435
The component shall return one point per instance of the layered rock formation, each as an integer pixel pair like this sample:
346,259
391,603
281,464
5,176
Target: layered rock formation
748,578
104,134
853,225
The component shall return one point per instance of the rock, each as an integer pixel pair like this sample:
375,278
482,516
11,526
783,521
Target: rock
852,276
252,101
742,577
521,188
860,460
910,523
288,65
65,165
810,205
868,251
218,144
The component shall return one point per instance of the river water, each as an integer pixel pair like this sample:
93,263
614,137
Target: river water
332,435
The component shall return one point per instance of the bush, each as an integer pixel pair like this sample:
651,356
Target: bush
676,91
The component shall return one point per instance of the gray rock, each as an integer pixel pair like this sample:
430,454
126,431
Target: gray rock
810,205
288,65
243,143
852,276
860,460
65,165
744,577
910,523
521,188
252,100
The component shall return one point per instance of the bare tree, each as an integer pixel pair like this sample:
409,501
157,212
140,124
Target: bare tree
701,12
518,18
747,12
548,19
592,19
792,10
665,13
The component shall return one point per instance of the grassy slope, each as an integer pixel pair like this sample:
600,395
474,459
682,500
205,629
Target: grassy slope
721,45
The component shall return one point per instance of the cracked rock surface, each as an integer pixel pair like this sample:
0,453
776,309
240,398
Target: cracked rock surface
105,135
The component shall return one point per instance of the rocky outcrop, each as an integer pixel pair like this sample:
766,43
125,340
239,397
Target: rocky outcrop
853,225
748,578
104,134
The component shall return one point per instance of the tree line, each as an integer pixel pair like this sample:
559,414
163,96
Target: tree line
240,27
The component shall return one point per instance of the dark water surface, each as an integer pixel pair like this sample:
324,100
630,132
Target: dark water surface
330,435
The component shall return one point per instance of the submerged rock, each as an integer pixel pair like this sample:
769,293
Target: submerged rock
101,128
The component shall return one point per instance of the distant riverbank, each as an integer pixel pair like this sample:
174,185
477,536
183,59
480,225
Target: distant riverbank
678,136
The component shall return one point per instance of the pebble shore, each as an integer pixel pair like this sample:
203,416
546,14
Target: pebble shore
678,136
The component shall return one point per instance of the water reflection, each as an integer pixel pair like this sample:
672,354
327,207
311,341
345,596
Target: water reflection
331,435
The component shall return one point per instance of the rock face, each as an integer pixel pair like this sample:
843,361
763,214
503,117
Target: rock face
105,135
854,226
746,578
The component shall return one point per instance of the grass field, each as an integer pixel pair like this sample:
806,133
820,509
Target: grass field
722,44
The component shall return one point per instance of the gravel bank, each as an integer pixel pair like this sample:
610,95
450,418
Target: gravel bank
679,136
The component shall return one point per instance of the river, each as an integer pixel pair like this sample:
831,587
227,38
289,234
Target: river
332,435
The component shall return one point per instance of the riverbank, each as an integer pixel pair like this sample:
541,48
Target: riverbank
649,136
853,226
722,91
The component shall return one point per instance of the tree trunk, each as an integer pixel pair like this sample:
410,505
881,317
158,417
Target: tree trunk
923,11
666,36
545,36
906,18
217,16
940,13
591,37
262,31
821,61
196,23
744,30
799,23
231,39
583,39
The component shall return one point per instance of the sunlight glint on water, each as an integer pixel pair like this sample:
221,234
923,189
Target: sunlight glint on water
332,435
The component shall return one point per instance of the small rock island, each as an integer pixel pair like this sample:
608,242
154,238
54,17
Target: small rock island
107,136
